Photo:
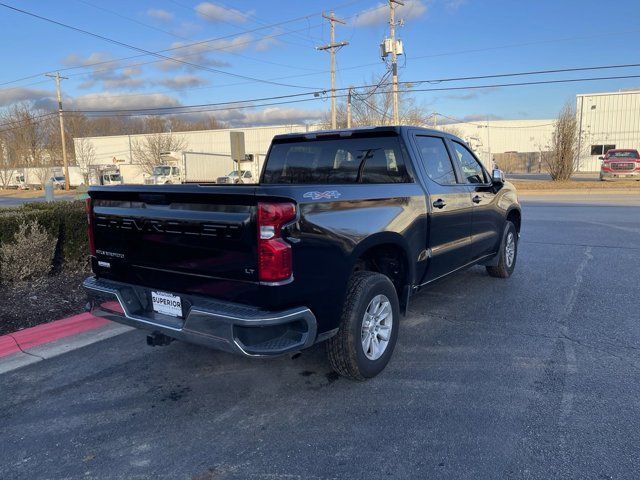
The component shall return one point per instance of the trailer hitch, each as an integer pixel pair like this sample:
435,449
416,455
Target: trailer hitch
158,340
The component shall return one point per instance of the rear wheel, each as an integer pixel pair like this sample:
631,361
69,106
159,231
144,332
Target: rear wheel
508,253
368,329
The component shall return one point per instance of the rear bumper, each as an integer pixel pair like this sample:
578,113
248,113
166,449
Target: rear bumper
221,325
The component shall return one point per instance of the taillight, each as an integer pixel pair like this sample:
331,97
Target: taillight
274,254
92,243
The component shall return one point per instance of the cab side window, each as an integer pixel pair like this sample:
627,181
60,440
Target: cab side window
472,171
436,159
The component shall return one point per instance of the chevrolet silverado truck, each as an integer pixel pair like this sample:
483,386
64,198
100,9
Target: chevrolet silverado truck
343,228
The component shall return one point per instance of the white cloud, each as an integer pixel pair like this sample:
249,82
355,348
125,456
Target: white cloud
123,83
454,4
472,94
22,94
159,14
110,101
266,43
112,74
268,116
379,14
217,13
200,52
183,81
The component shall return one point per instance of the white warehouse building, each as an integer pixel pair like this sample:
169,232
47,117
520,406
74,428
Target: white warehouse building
117,150
605,120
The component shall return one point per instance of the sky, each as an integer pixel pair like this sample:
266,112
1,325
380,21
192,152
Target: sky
248,49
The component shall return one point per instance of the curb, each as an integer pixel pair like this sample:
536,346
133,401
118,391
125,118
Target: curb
55,338
48,332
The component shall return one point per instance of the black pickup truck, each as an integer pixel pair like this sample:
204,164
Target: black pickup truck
343,228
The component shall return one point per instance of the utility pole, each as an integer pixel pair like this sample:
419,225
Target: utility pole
394,58
65,161
333,47
349,107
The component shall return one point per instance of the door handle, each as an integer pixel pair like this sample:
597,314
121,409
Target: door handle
439,203
477,199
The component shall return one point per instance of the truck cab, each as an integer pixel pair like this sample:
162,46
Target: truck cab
164,175
111,178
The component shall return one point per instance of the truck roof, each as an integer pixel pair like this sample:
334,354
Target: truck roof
347,132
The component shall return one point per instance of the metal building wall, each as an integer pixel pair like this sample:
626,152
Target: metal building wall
499,136
607,119
257,141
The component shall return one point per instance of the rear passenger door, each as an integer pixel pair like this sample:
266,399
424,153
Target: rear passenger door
487,223
449,205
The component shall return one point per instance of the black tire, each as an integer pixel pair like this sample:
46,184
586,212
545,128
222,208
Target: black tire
504,269
345,350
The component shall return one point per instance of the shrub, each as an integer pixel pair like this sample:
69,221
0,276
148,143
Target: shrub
29,255
562,160
64,222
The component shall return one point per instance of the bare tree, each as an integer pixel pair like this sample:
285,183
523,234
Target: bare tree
85,156
374,106
452,130
147,152
42,174
26,141
562,160
7,166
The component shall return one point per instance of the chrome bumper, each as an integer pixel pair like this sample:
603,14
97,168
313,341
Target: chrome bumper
221,325
621,174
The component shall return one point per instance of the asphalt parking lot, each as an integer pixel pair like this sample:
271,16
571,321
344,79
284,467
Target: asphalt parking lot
532,377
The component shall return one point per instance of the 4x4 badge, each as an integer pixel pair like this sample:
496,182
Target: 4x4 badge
329,194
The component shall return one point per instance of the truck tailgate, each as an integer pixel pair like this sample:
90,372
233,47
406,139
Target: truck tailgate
176,231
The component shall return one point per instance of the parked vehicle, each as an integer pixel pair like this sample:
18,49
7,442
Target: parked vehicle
620,164
58,182
190,167
164,175
342,230
236,177
104,175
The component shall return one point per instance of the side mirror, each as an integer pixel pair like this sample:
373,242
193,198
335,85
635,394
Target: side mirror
497,176
600,158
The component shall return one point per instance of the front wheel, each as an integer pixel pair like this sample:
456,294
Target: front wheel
508,253
368,328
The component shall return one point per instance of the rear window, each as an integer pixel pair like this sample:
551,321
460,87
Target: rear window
335,161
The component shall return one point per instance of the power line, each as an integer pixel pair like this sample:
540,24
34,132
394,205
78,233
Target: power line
376,86
178,110
189,45
174,35
35,118
120,113
147,52
217,19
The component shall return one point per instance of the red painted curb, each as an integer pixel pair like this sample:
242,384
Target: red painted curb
48,332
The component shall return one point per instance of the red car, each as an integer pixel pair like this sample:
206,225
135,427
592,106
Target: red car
620,163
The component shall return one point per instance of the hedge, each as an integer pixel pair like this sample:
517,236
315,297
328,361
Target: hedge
64,221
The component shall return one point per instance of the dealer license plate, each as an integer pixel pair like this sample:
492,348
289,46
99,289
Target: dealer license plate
166,304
